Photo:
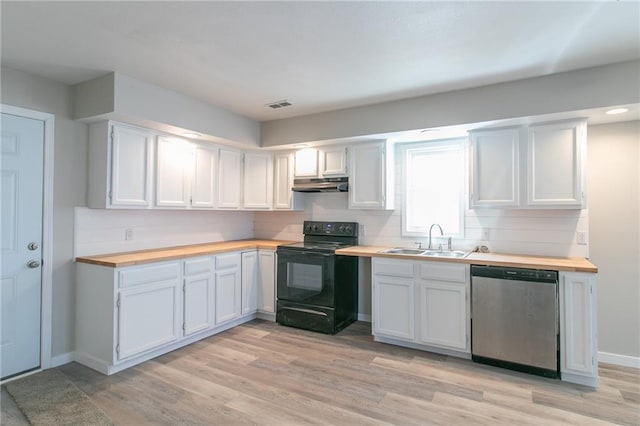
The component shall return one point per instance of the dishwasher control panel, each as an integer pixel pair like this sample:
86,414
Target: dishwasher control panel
520,274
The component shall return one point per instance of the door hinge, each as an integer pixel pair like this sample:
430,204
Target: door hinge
184,287
118,301
110,196
593,360
184,327
118,349
112,134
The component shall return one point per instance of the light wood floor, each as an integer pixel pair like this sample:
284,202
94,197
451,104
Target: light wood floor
262,373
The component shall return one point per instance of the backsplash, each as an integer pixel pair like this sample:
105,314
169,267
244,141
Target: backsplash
540,232
103,231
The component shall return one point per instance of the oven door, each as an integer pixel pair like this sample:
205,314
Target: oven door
306,277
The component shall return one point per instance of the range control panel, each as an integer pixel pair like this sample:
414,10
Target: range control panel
344,229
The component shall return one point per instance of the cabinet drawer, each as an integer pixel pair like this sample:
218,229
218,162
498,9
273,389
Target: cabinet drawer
197,266
395,268
137,275
442,271
231,260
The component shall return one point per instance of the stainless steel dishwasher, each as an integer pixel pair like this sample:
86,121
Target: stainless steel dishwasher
514,319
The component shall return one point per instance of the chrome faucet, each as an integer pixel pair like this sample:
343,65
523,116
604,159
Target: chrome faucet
430,229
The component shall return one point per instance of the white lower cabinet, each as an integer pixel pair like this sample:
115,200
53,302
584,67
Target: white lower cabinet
266,281
578,328
394,313
443,314
228,287
422,303
198,295
148,317
249,282
127,315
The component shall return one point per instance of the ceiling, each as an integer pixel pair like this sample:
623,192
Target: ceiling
320,56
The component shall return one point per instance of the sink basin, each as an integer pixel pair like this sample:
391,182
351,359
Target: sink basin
399,250
438,253
427,253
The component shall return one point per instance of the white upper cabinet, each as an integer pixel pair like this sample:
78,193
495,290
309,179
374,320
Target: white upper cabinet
174,159
120,166
283,197
555,161
203,184
495,168
306,163
333,160
258,181
540,166
229,178
326,161
371,176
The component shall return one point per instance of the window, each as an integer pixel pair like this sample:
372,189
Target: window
434,176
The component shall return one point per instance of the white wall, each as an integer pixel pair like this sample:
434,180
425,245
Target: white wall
103,231
614,207
615,84
69,187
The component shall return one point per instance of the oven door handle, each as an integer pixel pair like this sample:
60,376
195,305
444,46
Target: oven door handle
296,253
306,311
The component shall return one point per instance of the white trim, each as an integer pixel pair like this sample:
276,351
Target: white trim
46,318
622,360
62,359
364,317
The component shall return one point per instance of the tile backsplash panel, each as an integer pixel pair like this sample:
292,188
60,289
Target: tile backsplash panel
535,232
103,231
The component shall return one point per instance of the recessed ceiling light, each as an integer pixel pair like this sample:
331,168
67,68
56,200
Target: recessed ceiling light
617,111
191,135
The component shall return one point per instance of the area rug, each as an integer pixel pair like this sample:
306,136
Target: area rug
49,398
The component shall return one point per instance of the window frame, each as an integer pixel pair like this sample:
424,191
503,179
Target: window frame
435,146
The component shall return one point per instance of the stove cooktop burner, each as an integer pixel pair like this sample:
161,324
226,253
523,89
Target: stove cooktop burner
318,246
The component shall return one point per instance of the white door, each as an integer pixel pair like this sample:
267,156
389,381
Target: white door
229,177
443,314
21,274
228,295
258,181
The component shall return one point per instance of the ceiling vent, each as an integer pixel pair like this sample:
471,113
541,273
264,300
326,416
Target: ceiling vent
279,104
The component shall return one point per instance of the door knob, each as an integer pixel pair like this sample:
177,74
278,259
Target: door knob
33,246
33,263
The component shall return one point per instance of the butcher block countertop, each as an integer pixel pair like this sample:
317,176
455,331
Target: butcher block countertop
116,260
568,264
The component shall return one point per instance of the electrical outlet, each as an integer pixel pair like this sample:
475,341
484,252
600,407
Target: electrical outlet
581,237
485,234
128,234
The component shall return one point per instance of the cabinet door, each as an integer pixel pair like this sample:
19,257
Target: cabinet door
369,186
578,340
203,187
495,168
173,169
228,294
334,161
266,281
393,307
306,163
199,303
283,197
131,159
443,314
555,174
148,317
249,282
229,178
258,181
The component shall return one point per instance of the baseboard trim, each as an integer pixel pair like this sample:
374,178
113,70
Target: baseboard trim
62,359
622,360
364,317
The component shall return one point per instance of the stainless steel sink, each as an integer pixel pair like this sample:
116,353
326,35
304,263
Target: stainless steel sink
400,250
427,253
437,253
